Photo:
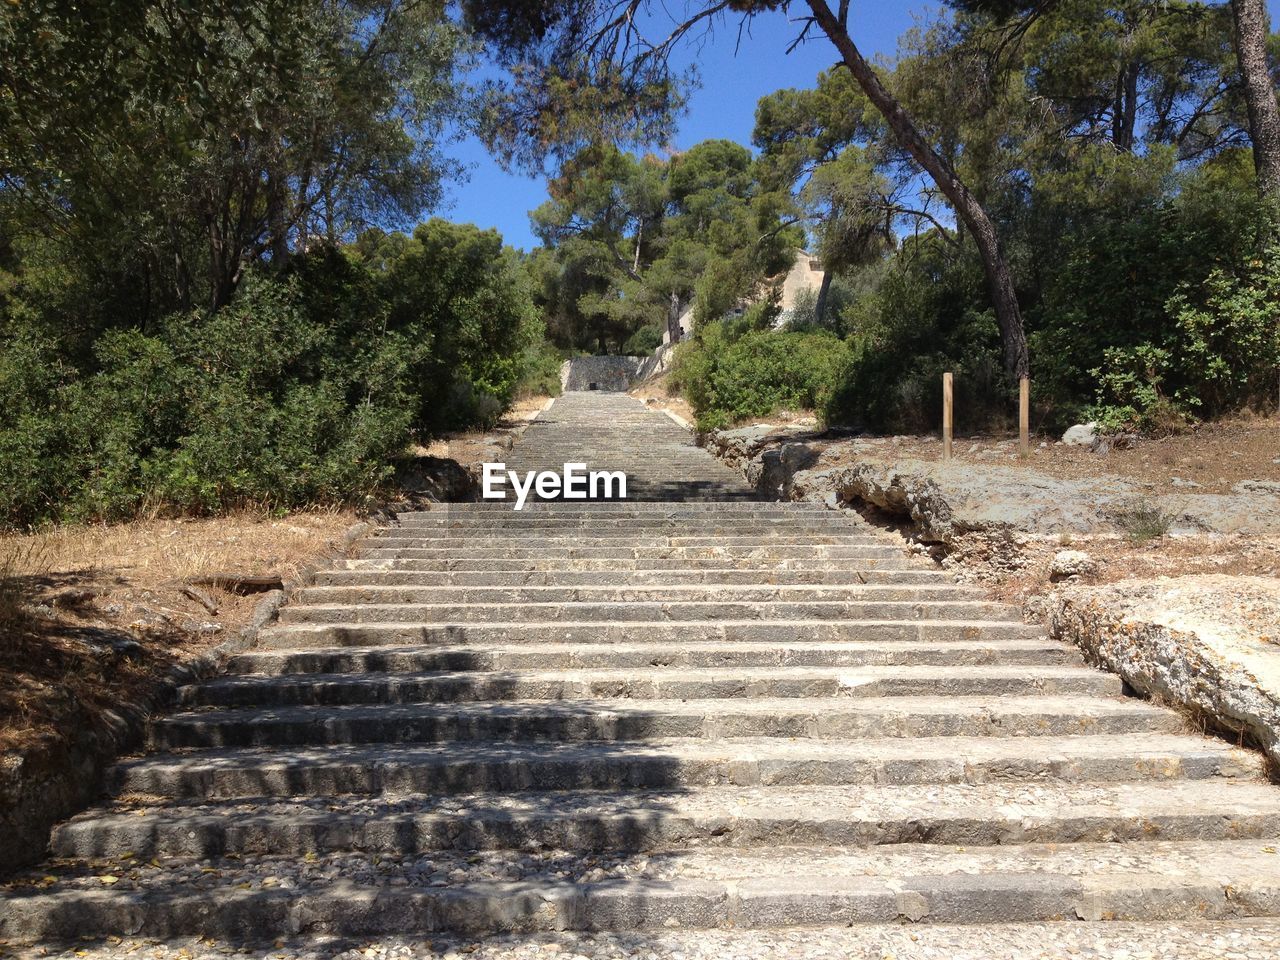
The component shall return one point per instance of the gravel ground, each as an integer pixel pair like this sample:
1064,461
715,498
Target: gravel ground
1053,941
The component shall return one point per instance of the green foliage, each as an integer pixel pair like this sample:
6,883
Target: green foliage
644,341
1220,351
462,304
727,380
541,377
249,404
301,390
630,240
921,319
168,144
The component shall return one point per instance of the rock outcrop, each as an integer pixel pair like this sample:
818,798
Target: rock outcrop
1208,644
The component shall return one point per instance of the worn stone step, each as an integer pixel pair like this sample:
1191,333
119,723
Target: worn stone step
305,635
681,593
730,552
983,814
338,660
623,565
692,889
522,524
552,544
633,720
711,576
615,510
815,683
636,611
479,766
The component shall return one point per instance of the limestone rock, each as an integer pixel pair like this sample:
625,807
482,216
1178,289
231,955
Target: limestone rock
1081,435
1067,564
1209,643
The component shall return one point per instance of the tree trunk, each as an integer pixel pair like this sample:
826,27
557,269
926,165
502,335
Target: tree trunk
1259,93
673,318
820,308
1124,116
967,207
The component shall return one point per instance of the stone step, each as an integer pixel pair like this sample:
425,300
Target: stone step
470,767
615,510
732,554
649,610
816,683
701,888
1040,652
297,636
520,524
761,567
982,814
606,719
678,593
552,542
373,576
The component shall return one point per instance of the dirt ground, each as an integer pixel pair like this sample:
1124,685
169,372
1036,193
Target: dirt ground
1211,458
94,615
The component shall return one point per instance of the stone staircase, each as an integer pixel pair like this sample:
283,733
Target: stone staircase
685,711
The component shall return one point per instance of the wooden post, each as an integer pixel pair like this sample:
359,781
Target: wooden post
1024,416
946,417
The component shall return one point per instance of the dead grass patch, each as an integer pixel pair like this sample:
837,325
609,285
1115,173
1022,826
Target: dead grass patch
92,616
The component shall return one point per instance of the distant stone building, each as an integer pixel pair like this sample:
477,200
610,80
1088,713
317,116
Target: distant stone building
805,275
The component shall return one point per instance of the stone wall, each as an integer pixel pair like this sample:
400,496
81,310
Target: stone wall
614,374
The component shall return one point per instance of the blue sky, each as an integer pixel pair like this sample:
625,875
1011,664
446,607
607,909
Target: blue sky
723,106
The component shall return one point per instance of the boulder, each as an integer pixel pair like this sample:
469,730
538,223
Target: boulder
1081,435
1068,564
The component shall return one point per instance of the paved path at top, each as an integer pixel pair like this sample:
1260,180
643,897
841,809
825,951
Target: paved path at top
613,431
714,714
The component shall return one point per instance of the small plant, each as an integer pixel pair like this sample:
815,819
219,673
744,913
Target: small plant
1143,521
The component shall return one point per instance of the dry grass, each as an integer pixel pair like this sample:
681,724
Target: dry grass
150,552
91,616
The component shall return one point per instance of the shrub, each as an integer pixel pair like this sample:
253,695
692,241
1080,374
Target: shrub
257,402
301,390
1220,351
1143,521
462,302
541,377
644,341
1128,290
918,322
762,371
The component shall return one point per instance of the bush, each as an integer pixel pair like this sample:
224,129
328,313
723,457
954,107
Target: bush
920,320
256,403
1143,521
541,377
462,302
763,371
1123,298
299,391
644,341
1220,351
